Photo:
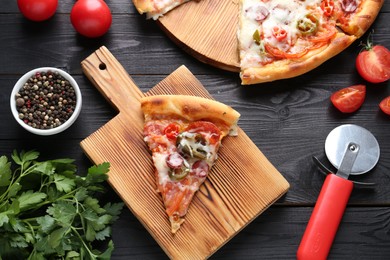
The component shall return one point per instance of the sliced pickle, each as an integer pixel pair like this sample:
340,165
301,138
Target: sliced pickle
184,141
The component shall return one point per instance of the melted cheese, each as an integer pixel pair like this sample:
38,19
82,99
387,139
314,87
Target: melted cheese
159,160
164,6
188,140
284,14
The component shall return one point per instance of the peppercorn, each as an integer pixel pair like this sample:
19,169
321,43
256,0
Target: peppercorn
46,100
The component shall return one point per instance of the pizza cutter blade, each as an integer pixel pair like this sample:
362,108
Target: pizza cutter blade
353,150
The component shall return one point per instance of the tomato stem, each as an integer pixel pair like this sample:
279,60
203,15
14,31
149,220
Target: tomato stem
370,42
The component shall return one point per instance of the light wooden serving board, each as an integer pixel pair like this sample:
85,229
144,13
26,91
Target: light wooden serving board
241,185
207,29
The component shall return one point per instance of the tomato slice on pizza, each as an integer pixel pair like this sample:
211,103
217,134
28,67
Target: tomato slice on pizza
184,134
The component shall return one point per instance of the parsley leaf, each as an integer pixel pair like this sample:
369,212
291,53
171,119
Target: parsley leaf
48,211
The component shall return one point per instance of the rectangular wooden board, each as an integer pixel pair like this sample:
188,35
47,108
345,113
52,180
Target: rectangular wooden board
241,185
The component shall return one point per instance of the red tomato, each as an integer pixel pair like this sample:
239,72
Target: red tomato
38,10
373,64
349,99
171,131
385,105
91,18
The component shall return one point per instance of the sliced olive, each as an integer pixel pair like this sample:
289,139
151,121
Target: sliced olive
192,144
178,174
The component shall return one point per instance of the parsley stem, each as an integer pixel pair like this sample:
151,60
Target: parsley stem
93,256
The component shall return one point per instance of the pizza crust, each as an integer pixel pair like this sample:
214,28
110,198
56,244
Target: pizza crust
361,21
191,108
282,69
153,9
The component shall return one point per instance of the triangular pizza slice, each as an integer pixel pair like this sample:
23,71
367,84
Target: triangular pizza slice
184,134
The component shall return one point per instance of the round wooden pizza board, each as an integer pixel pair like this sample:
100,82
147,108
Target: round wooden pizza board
207,30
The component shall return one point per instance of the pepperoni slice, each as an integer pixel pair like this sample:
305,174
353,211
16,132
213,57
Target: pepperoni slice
200,168
258,12
174,160
261,13
152,128
207,129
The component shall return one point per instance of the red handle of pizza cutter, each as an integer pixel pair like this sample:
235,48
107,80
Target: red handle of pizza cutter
325,219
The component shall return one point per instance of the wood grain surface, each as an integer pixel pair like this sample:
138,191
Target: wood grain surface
207,30
241,185
287,120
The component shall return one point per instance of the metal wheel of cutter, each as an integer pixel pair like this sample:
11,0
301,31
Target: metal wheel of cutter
337,142
352,150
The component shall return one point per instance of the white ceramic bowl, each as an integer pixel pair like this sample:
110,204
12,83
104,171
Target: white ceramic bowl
19,84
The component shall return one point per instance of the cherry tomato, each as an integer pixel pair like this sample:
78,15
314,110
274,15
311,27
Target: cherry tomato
349,99
91,18
171,131
373,63
38,10
385,105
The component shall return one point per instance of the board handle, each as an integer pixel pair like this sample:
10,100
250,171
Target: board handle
112,80
325,219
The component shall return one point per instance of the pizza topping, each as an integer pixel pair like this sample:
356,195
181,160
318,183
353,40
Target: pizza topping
175,161
178,174
256,37
171,131
349,6
280,54
257,12
200,169
279,33
193,144
327,7
308,24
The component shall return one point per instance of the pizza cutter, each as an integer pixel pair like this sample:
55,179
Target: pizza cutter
353,150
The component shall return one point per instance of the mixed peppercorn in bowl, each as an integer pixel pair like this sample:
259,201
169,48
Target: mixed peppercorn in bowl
46,101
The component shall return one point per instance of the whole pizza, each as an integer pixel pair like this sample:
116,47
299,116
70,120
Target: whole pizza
280,39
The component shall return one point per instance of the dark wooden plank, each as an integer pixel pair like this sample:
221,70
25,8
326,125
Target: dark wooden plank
116,6
288,120
140,45
276,234
65,6
288,124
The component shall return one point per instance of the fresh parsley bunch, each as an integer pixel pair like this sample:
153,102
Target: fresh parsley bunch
47,211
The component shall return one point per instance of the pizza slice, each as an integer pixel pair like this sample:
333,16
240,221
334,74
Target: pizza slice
156,8
353,17
184,134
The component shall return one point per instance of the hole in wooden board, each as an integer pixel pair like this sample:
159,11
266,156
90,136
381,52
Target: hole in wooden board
102,66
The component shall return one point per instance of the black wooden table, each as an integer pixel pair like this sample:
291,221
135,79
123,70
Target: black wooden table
288,120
